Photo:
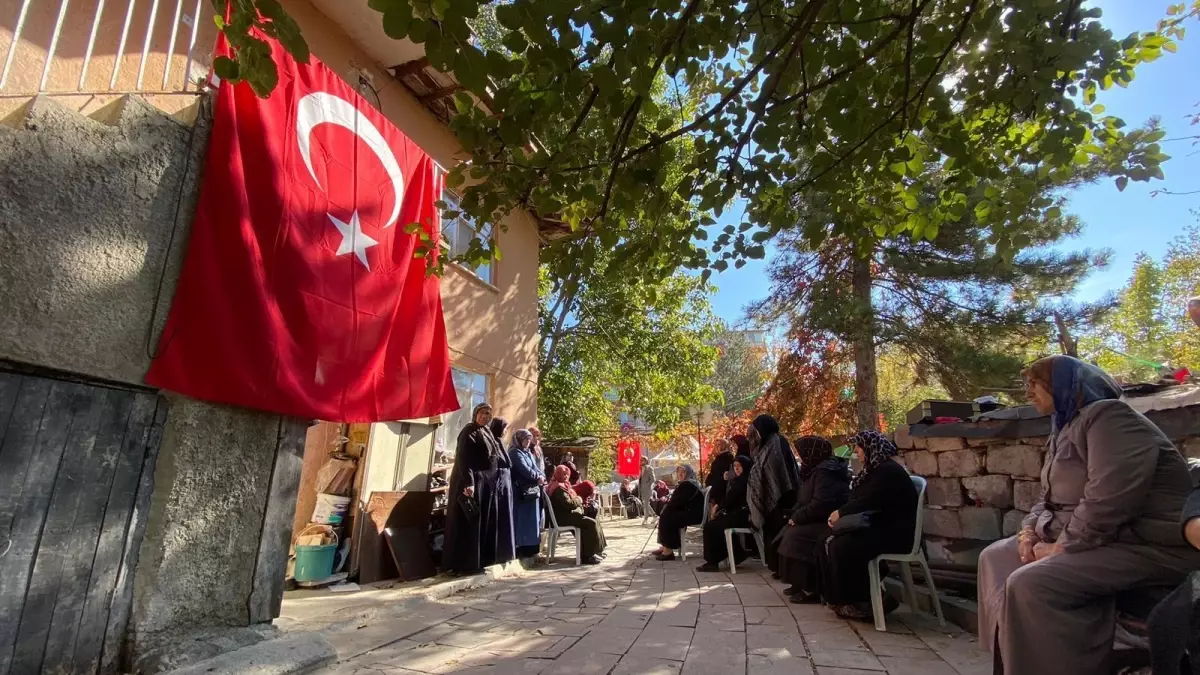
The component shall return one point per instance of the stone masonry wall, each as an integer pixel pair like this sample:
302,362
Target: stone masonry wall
979,489
978,492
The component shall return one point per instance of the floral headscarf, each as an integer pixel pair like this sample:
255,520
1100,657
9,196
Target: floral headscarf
689,474
878,449
519,437
812,451
561,479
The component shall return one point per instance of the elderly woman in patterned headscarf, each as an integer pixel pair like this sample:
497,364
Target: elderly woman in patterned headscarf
881,517
774,482
824,488
686,507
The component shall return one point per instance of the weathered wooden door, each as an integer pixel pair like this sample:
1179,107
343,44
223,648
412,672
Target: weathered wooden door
76,470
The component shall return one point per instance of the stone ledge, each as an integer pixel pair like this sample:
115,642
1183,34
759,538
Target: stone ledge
291,654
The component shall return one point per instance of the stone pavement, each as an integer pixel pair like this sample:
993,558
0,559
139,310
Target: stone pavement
633,615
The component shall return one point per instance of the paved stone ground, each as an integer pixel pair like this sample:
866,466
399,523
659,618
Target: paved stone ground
636,616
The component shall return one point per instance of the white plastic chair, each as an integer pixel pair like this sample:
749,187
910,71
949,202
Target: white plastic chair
758,541
553,531
906,559
683,530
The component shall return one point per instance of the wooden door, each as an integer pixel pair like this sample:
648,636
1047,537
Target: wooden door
76,471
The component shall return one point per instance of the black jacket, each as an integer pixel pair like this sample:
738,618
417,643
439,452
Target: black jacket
887,490
825,490
686,503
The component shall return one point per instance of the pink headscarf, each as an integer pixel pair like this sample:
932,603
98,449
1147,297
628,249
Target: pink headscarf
561,479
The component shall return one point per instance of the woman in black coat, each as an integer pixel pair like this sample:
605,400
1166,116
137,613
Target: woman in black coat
686,507
717,481
824,488
473,516
731,512
880,517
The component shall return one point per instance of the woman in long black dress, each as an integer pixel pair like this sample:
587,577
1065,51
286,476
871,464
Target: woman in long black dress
774,481
505,542
731,512
825,488
883,512
470,517
686,507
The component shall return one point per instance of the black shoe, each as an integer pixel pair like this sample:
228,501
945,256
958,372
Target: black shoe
775,575
804,598
594,560
664,558
792,590
708,567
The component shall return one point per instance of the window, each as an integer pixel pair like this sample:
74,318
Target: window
458,232
472,389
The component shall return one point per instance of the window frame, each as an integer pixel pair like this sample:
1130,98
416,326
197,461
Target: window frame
452,422
454,201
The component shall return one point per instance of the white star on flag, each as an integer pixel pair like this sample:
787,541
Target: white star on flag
353,239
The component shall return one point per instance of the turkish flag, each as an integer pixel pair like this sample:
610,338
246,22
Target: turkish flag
629,457
300,294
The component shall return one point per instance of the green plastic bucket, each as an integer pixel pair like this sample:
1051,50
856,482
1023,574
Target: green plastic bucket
314,563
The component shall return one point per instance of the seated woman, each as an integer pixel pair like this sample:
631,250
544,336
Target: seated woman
1113,487
628,496
586,490
686,507
659,496
881,517
568,512
824,488
731,512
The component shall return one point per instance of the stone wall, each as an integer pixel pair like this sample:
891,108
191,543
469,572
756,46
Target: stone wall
93,224
980,486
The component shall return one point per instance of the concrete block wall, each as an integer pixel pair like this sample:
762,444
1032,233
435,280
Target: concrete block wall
94,220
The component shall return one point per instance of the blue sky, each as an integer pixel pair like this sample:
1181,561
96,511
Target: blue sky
1126,222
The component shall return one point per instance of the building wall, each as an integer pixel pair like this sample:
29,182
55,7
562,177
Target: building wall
93,225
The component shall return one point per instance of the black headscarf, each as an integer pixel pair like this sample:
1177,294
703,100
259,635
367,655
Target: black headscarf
766,426
877,448
497,427
747,464
812,451
743,445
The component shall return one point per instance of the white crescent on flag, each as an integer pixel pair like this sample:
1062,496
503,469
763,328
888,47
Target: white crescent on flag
325,108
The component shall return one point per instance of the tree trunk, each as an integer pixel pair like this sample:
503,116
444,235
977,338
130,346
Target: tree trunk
866,380
564,306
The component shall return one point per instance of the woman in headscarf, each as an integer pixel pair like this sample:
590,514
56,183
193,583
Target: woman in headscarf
774,481
718,472
471,519
741,445
629,499
731,512
824,488
686,507
505,543
527,480
568,511
880,517
586,490
1112,489
661,494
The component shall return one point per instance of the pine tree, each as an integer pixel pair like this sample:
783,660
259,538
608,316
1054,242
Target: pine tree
963,313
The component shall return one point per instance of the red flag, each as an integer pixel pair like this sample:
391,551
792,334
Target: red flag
300,293
629,457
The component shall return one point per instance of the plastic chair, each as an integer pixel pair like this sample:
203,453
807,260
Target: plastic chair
553,531
758,541
683,530
905,559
